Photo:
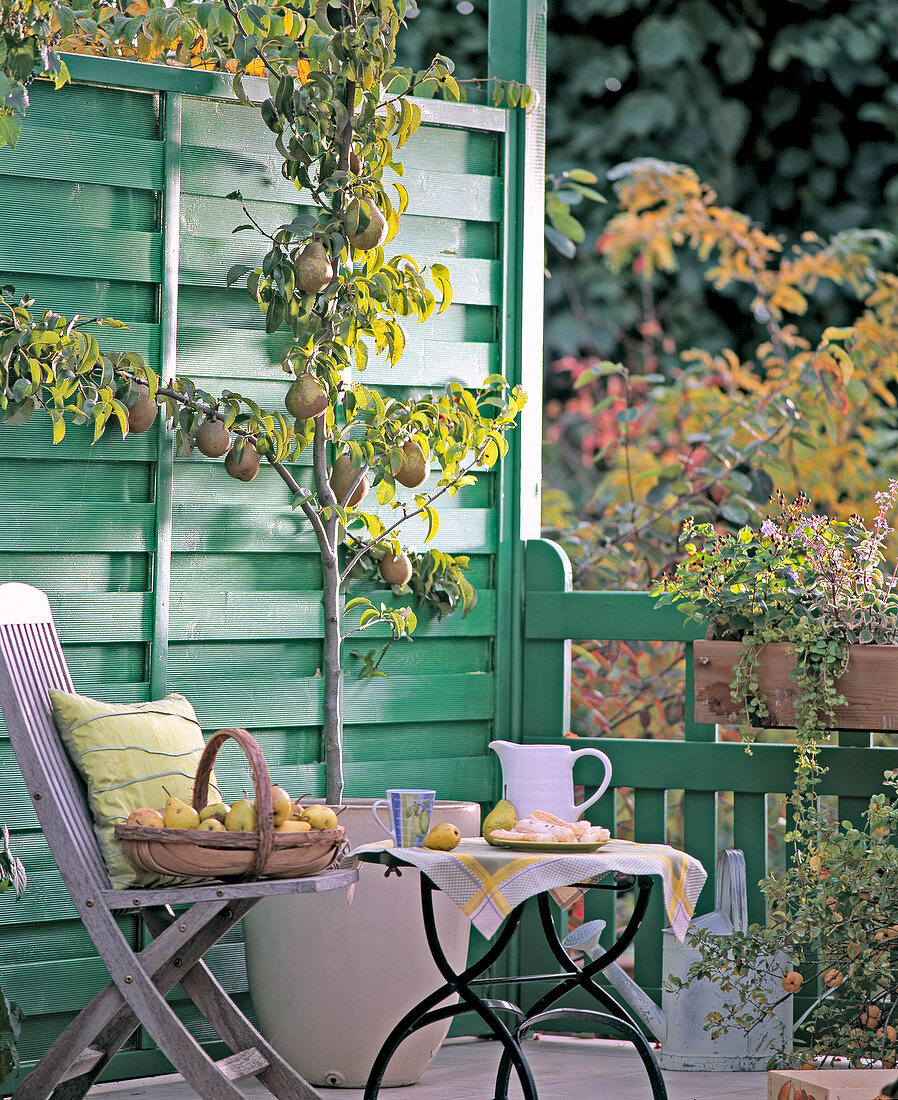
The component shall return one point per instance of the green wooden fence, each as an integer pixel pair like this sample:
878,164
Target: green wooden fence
165,574
695,762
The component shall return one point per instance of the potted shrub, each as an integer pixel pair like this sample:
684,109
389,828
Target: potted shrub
339,110
806,614
802,604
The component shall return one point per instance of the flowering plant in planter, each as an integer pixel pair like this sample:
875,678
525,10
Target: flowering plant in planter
812,581
818,584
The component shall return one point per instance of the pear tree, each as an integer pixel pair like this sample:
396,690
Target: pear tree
339,110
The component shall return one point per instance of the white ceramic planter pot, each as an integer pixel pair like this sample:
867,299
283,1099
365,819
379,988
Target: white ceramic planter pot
329,980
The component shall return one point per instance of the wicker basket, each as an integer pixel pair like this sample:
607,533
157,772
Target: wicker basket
212,854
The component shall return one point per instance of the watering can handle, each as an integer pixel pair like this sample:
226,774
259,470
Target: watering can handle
603,786
731,894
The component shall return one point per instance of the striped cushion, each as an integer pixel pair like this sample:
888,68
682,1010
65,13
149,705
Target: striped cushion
130,756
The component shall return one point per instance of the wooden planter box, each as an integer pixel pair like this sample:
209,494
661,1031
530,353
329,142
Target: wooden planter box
870,684
828,1084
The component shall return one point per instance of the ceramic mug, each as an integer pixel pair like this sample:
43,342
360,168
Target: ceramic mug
410,810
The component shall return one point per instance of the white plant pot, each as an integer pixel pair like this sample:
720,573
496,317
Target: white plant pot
330,979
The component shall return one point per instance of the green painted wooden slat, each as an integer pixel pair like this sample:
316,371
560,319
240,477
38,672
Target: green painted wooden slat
235,309
84,481
426,740
99,253
263,702
196,82
609,615
114,691
80,527
206,260
43,987
246,616
120,617
77,573
59,940
469,779
437,654
35,440
198,475
224,125
106,664
133,303
218,172
208,216
664,765
750,836
700,838
74,205
546,675
425,362
235,529
85,157
650,825
295,573
133,114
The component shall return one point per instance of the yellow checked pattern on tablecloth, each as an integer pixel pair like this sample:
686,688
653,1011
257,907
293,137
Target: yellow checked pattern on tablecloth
486,883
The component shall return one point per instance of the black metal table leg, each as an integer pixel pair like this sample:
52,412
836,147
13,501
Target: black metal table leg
427,1012
616,1019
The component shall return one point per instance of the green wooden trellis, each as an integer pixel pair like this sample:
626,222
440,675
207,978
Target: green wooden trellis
164,574
697,764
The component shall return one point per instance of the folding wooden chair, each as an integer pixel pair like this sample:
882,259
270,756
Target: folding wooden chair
31,663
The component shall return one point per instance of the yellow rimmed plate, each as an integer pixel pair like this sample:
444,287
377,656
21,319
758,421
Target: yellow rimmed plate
550,845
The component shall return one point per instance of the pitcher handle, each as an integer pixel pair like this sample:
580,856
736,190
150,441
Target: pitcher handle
603,786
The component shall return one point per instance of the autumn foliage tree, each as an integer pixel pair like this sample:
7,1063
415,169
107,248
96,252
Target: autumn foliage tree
808,410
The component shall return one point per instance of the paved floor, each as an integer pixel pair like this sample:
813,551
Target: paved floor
564,1069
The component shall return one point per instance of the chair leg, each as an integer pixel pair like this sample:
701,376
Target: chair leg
109,1020
280,1078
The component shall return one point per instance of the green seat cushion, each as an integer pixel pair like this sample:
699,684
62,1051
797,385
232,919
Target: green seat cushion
129,756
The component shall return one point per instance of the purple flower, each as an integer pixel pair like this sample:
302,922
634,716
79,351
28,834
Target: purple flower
768,528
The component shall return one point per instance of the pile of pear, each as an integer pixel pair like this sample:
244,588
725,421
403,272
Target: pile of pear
288,815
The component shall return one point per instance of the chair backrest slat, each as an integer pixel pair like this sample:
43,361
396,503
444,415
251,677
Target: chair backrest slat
31,664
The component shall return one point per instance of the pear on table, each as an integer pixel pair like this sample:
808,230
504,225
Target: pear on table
502,816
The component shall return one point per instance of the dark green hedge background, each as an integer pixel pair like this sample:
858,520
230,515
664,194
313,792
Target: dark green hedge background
789,109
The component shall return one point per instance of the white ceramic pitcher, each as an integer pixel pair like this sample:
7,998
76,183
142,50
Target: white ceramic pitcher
541,777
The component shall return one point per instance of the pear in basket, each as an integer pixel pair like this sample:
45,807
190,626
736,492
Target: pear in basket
320,817
281,804
291,826
178,815
211,825
217,810
242,818
146,816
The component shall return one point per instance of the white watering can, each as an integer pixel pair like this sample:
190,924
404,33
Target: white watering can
679,1024
541,777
